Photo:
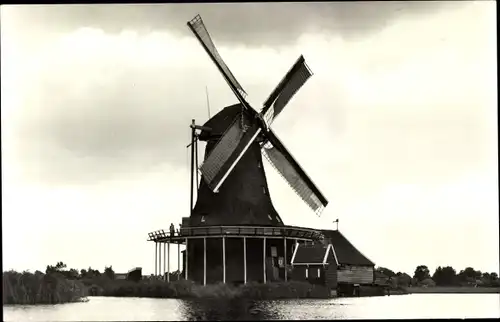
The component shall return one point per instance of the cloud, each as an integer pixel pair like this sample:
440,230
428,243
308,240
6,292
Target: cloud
257,24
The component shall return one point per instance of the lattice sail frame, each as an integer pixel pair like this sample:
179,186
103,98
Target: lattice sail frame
201,32
238,137
296,181
296,77
222,150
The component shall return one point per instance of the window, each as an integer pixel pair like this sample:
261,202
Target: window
202,218
319,273
307,272
278,219
259,165
269,216
264,189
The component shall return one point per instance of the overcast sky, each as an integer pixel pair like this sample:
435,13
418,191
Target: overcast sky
397,127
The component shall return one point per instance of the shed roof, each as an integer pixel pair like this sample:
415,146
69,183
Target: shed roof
310,254
345,251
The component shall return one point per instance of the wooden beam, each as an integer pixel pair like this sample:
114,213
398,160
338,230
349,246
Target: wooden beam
224,260
164,261
186,268
204,261
159,259
178,261
156,258
245,259
264,258
168,262
230,236
286,273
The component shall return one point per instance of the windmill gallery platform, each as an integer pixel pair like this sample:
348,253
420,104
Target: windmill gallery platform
242,254
233,233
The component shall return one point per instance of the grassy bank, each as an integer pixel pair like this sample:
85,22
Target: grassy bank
453,290
189,290
39,288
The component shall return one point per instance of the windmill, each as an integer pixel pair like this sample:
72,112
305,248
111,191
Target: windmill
233,201
240,128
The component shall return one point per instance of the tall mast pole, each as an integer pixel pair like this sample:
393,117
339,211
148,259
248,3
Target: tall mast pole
192,164
208,102
196,162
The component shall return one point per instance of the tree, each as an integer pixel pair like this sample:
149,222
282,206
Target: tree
72,274
109,273
53,269
421,273
468,276
91,273
428,282
403,279
385,271
445,276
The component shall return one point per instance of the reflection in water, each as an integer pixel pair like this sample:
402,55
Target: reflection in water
413,306
217,310
226,310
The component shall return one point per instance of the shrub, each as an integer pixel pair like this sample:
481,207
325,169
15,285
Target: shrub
189,290
39,288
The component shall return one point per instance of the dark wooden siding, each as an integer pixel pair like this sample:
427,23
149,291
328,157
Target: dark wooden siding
299,273
331,272
353,274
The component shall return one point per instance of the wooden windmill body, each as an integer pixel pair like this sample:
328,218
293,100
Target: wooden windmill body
233,233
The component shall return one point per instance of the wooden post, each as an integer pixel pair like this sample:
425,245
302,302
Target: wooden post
186,268
286,273
264,259
168,262
204,260
156,259
159,259
179,261
164,259
245,259
224,260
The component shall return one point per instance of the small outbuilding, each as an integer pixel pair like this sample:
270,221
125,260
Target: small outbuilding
335,263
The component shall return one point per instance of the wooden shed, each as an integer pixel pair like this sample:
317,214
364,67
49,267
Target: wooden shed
316,264
335,263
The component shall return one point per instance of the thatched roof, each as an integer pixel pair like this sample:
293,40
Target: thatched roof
345,251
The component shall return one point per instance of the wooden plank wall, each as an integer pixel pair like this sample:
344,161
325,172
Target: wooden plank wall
355,274
331,272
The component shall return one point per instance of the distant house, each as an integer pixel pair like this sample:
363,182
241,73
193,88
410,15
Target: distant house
335,263
120,276
135,274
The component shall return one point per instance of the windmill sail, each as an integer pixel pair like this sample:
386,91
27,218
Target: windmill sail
291,171
286,89
228,151
200,31
245,129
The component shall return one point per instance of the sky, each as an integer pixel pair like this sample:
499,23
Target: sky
397,127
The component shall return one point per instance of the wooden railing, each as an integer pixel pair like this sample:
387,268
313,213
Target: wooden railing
186,232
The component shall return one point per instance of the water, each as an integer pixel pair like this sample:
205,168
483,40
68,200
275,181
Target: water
415,306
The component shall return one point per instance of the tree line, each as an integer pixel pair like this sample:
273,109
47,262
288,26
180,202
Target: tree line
442,276
91,274
72,274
